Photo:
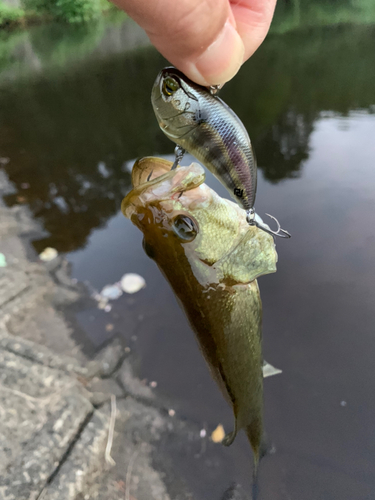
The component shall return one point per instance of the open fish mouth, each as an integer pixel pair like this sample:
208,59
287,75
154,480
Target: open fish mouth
154,181
149,168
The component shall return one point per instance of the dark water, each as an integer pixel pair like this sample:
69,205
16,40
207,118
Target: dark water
72,121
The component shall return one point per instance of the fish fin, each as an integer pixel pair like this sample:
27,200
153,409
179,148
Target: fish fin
260,450
229,438
255,486
258,455
260,447
269,370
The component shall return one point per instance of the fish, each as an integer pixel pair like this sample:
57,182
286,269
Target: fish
212,258
199,122
202,124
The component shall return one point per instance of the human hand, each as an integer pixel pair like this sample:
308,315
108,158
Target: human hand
208,40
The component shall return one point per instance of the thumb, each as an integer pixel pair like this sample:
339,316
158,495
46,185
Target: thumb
197,36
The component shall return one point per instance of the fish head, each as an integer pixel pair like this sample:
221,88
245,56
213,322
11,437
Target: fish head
186,223
175,100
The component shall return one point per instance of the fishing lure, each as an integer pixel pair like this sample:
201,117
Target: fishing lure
201,123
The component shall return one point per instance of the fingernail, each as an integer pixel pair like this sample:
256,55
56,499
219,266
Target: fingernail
221,60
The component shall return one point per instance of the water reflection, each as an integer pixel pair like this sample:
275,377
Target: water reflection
285,146
69,133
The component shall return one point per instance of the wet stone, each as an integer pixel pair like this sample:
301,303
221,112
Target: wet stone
12,284
42,410
83,463
138,428
38,353
110,357
131,384
102,389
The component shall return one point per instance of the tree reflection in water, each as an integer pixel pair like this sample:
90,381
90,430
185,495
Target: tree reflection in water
69,134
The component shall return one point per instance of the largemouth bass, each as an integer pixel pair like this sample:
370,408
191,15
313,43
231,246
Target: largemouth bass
211,258
202,124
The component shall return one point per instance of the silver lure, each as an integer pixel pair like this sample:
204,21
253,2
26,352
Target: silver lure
201,123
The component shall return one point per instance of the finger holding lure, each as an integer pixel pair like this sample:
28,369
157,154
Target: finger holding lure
201,123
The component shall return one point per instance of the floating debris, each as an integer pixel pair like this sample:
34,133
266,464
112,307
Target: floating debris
132,283
269,370
109,327
111,292
218,434
4,161
171,413
343,403
3,261
153,384
203,433
25,185
48,254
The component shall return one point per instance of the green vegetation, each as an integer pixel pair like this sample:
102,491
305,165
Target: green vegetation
71,11
66,11
55,46
9,14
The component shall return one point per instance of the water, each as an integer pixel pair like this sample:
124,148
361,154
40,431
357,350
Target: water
75,110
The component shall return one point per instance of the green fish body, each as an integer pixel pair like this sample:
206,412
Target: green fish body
211,258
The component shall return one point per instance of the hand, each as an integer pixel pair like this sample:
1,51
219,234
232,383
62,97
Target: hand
208,40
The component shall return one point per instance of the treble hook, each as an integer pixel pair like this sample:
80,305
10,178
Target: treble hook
179,154
281,233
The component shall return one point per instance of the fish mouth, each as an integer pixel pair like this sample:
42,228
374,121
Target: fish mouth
154,181
147,168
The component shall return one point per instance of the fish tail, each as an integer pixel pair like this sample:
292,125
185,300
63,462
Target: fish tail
255,486
260,448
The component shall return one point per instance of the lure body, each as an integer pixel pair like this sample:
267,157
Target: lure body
203,125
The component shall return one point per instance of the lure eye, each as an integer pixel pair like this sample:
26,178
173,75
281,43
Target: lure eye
170,85
185,227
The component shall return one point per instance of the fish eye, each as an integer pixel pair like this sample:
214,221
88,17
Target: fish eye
170,85
185,227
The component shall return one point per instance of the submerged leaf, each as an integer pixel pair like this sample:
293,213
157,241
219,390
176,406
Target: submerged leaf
218,434
48,254
132,283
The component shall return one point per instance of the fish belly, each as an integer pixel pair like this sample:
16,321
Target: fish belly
234,353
